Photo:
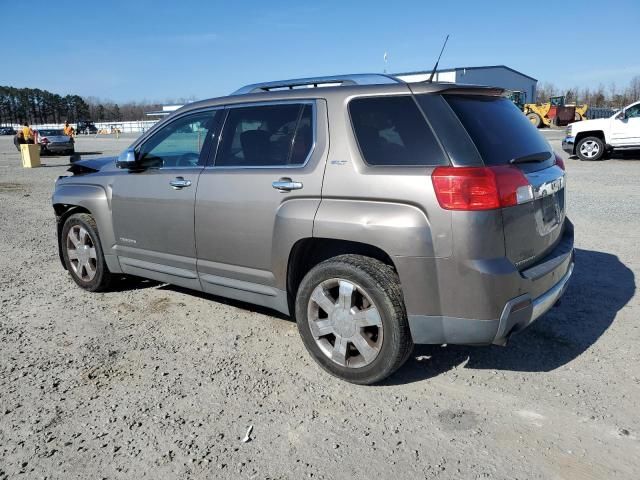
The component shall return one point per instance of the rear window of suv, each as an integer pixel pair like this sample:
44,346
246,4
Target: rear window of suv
391,131
497,127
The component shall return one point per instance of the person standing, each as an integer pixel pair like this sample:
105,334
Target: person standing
18,139
68,130
28,134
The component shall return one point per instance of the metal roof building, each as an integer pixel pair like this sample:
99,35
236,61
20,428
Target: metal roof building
493,75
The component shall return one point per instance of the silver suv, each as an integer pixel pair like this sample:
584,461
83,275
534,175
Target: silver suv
377,213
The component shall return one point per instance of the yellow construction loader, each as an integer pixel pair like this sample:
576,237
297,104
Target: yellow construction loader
554,112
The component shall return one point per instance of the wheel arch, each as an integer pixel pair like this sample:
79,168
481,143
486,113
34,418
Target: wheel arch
64,211
309,252
92,199
590,133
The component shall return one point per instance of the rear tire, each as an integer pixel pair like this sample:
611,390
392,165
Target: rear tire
345,299
535,119
82,253
590,149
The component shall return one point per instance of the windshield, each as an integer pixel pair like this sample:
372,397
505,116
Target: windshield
51,133
497,127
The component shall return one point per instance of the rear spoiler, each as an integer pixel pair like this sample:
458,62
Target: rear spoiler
455,88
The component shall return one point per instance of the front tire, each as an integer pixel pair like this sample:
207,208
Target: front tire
82,253
590,149
535,119
352,319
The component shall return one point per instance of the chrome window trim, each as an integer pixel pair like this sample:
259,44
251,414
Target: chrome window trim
314,124
197,167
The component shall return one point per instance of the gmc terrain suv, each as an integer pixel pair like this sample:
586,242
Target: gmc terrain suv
377,213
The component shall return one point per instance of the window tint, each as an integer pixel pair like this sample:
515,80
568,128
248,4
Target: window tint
633,112
270,135
392,131
179,143
497,127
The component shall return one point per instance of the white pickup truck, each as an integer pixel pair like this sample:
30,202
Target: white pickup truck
591,139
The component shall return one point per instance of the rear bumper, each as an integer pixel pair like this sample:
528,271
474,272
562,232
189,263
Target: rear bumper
522,311
568,145
535,291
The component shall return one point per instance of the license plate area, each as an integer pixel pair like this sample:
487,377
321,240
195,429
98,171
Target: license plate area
551,211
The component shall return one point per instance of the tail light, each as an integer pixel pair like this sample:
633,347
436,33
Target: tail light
44,140
480,188
560,162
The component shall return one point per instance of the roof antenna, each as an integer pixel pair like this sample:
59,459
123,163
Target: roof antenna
433,72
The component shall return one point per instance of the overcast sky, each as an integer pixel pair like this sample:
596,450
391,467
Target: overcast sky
137,50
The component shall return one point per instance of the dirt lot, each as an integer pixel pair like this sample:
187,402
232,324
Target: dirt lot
153,381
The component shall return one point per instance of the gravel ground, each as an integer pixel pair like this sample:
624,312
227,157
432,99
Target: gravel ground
153,381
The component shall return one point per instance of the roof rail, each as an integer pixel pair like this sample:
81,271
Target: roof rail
337,80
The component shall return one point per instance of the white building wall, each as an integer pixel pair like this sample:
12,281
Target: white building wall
449,76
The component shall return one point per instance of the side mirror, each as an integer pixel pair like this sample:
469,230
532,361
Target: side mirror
624,114
127,159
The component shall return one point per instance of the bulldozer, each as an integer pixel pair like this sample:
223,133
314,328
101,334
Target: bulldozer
555,112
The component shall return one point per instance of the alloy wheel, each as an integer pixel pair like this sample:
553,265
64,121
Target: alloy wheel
81,253
589,149
345,323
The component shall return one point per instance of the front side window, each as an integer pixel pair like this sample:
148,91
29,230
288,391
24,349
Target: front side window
179,143
266,136
391,131
633,112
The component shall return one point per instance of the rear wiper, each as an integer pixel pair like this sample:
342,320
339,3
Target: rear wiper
532,158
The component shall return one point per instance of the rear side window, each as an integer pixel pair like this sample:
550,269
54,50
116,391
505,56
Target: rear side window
497,127
266,136
391,131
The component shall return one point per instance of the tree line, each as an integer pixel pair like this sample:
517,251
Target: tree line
18,105
36,106
611,97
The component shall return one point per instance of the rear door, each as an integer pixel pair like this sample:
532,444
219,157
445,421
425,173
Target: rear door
260,194
504,137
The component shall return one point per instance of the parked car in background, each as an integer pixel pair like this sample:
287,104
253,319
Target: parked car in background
86,127
7,131
437,215
55,141
593,139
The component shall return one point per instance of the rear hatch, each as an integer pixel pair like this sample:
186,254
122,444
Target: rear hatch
504,137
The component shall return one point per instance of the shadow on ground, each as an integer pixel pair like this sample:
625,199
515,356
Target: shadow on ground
616,155
600,287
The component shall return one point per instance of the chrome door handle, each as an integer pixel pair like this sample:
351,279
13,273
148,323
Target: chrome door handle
286,185
179,182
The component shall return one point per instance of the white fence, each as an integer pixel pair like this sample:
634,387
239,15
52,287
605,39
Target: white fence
139,126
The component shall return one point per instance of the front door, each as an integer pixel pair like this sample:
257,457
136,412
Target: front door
625,130
260,195
153,206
